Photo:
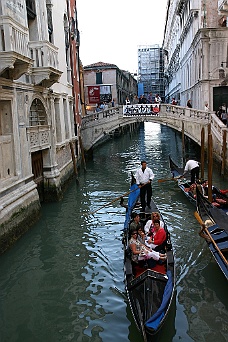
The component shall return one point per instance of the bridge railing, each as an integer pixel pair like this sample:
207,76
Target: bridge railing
94,124
163,111
199,116
191,113
104,114
170,111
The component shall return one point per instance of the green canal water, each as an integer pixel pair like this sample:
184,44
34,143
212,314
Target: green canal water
64,281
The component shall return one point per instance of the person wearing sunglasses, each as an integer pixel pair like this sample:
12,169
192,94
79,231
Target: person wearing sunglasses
140,252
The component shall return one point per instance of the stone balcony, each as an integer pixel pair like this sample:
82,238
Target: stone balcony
45,70
39,137
14,53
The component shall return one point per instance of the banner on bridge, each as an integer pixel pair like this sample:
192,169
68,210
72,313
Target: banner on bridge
141,109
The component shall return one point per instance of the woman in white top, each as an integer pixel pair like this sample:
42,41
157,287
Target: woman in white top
140,252
149,225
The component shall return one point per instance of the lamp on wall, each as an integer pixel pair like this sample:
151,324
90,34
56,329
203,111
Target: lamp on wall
222,74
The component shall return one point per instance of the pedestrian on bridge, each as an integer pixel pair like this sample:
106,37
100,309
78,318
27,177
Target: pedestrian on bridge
189,104
144,176
206,107
135,99
157,99
150,98
174,102
127,101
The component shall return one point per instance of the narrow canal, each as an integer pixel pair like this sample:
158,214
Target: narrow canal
63,281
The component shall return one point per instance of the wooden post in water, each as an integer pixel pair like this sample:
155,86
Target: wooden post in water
82,152
183,143
209,128
74,160
224,150
210,166
202,152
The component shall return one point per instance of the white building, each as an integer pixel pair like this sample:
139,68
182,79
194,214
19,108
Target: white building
36,110
105,81
196,52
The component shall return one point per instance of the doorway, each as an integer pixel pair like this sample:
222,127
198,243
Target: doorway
37,170
220,96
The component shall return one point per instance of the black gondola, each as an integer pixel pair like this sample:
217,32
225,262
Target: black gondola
149,291
190,190
214,222
183,183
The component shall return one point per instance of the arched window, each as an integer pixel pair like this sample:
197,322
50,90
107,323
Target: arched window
37,114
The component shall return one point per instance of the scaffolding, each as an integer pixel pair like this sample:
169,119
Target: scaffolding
151,69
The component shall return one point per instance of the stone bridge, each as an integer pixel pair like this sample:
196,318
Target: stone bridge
194,123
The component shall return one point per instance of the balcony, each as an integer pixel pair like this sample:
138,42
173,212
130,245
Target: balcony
39,137
45,70
14,53
223,6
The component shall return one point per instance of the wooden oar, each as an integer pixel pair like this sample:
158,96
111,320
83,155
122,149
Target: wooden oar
116,199
197,216
167,179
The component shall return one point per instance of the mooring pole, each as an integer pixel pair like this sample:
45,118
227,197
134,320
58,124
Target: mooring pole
82,152
74,161
183,143
202,152
210,166
224,149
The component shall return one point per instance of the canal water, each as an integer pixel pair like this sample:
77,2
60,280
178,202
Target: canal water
63,281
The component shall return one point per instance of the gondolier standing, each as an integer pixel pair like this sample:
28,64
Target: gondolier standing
193,167
144,176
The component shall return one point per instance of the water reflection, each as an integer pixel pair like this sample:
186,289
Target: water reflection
206,314
63,281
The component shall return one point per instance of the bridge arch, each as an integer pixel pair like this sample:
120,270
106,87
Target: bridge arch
97,127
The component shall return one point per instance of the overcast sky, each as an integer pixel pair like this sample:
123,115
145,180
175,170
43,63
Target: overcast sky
111,31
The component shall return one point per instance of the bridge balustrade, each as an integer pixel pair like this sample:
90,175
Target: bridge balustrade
95,125
103,114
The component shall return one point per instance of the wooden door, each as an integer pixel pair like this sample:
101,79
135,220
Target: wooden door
37,170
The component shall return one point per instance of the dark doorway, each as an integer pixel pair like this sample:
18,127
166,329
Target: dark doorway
37,170
220,96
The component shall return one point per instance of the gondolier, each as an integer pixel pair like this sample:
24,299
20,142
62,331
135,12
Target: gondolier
193,167
150,284
144,176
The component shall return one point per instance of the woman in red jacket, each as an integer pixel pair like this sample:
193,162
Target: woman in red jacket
158,236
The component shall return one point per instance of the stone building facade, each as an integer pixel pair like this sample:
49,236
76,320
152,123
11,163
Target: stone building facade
196,52
109,82
37,109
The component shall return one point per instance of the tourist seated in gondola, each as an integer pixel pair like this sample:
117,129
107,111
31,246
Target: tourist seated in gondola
157,237
217,201
141,235
191,190
140,253
135,223
149,225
